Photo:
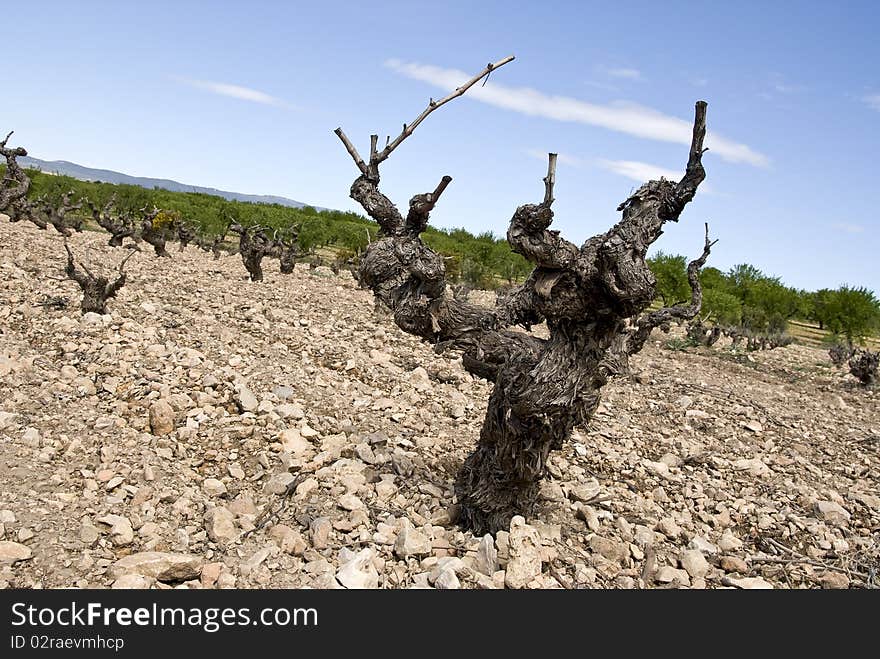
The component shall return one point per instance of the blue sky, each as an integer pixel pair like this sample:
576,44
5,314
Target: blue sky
245,97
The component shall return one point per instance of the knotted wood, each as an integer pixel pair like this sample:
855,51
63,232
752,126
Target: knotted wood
591,298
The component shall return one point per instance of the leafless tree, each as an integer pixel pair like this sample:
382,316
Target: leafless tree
97,289
16,183
863,364
185,233
14,189
57,213
24,209
119,225
152,234
591,297
840,353
253,244
288,248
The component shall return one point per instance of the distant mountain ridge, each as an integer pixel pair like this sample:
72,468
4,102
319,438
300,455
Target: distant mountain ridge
108,176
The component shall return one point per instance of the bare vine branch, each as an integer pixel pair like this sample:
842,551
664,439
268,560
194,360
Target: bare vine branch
377,157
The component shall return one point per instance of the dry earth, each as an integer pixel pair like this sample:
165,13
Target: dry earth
154,447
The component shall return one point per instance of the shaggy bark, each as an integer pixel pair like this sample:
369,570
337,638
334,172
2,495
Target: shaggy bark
57,214
119,226
840,353
590,296
863,364
97,289
15,187
253,244
215,245
16,183
185,234
151,234
288,247
23,209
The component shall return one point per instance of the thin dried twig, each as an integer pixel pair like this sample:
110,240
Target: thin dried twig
798,558
377,157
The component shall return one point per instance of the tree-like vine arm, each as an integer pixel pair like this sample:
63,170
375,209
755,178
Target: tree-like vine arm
71,270
119,282
365,191
644,325
15,183
529,236
433,105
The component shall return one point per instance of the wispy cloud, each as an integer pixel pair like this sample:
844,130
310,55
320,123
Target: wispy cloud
619,116
873,101
776,86
601,85
628,74
234,91
784,88
561,158
639,171
642,172
847,227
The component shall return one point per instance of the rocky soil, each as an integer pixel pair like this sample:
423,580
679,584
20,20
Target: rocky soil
211,432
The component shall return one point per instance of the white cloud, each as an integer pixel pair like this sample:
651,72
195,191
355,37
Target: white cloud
848,228
234,91
873,101
642,172
639,171
562,158
619,116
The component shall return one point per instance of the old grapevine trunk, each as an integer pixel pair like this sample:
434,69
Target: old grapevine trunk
591,298
252,245
15,184
97,289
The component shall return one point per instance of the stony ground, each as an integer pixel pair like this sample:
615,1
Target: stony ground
155,446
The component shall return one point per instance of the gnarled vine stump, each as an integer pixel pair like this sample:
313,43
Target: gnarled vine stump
253,244
863,364
840,353
152,234
288,249
57,214
97,289
591,298
185,234
23,209
16,183
119,226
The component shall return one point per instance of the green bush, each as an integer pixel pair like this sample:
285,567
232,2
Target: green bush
670,271
722,307
484,260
